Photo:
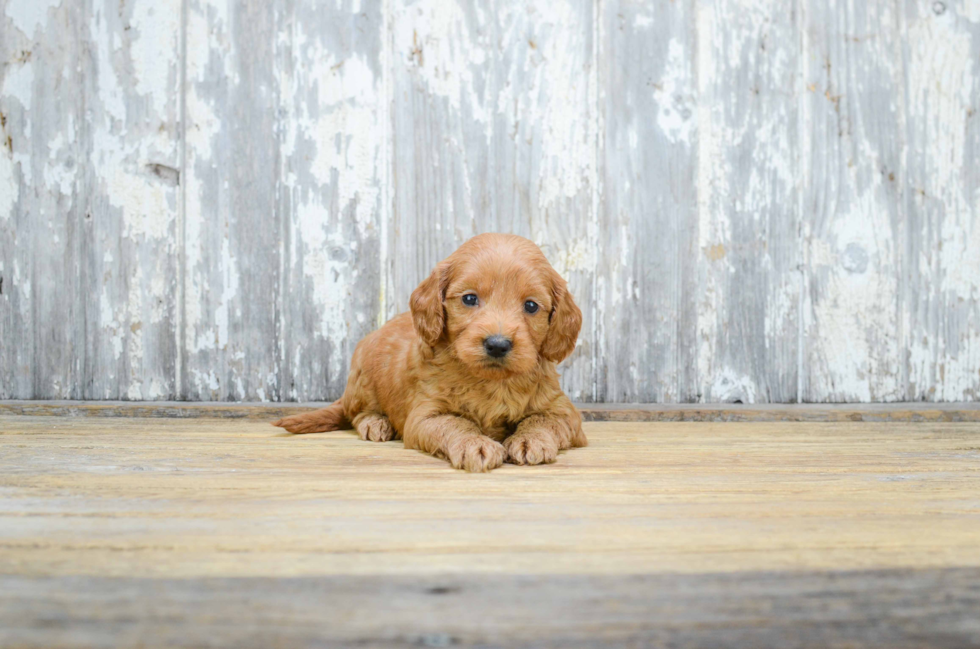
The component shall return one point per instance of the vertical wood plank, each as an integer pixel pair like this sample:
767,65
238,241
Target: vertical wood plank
42,159
942,52
493,131
333,155
854,203
131,197
748,252
232,234
647,271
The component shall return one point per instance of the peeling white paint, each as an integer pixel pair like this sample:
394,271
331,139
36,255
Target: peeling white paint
727,386
208,380
969,9
211,289
28,15
129,130
333,159
642,21
505,100
347,137
159,286
109,323
944,354
435,37
157,25
208,24
9,187
555,70
229,296
859,347
711,183
57,175
325,275
156,390
203,126
675,114
143,201
112,96
192,259
18,83
941,92
578,256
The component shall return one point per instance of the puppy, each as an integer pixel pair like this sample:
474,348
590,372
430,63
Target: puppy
469,375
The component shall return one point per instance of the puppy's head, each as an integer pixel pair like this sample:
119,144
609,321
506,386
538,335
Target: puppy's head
499,306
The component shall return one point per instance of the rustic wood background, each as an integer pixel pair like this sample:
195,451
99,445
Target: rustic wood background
754,200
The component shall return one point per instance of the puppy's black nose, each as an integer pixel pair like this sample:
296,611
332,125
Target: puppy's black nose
497,346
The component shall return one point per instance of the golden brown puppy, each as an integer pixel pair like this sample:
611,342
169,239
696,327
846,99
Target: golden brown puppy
469,375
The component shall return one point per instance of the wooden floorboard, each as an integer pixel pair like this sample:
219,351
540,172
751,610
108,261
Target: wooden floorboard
227,532
890,608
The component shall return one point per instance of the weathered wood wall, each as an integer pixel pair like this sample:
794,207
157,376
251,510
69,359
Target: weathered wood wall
753,200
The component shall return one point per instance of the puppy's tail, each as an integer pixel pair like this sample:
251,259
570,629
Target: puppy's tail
319,421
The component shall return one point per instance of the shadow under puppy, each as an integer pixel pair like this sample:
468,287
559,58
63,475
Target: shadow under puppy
469,375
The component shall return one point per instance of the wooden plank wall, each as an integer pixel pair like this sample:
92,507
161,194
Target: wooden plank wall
753,200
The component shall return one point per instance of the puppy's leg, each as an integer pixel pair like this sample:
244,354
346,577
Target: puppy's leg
455,439
319,421
373,427
538,438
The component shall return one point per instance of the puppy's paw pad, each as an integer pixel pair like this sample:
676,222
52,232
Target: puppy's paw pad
375,429
477,454
531,449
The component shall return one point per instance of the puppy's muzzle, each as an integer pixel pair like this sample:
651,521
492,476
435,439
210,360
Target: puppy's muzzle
497,346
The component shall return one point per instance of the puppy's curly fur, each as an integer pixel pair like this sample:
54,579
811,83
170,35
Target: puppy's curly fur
429,378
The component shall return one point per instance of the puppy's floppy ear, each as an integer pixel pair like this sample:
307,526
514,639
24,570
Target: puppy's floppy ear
565,322
428,313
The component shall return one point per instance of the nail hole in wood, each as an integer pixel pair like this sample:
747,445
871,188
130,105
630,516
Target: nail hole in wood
163,172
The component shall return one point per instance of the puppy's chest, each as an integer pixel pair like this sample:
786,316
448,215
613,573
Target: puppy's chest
497,408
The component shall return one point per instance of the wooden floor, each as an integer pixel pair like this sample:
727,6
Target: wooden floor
218,532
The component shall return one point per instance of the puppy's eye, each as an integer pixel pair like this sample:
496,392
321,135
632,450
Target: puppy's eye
470,299
531,307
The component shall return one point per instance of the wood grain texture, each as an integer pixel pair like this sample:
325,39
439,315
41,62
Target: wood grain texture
184,498
91,97
880,608
854,202
646,274
129,194
748,256
768,534
232,225
941,46
492,132
334,153
42,204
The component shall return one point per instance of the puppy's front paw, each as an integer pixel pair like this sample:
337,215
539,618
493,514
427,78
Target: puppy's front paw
475,453
375,428
531,447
